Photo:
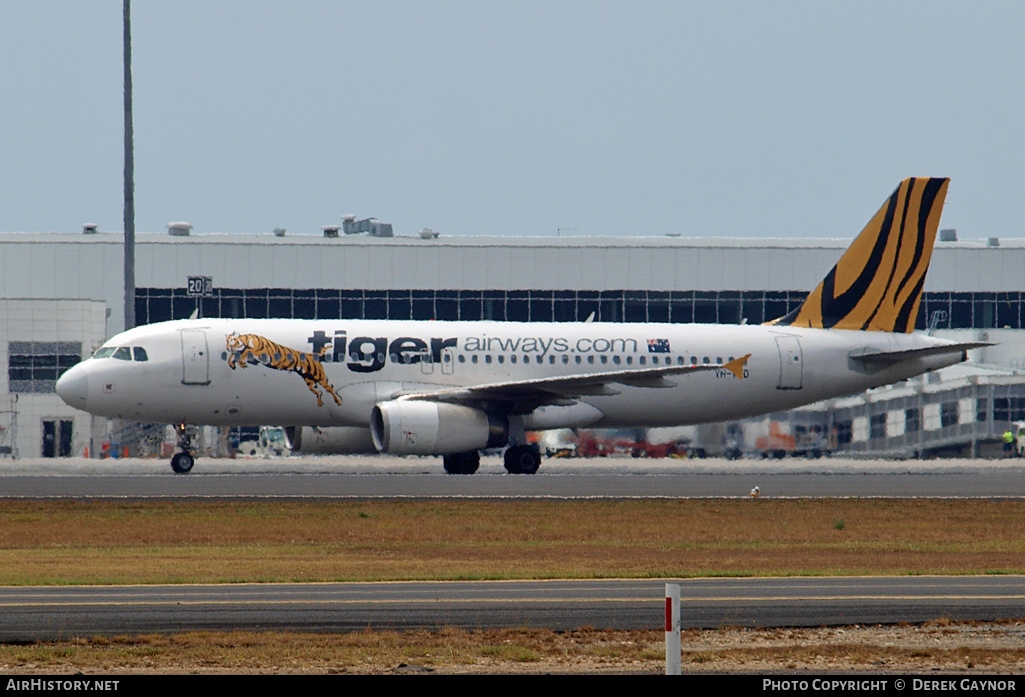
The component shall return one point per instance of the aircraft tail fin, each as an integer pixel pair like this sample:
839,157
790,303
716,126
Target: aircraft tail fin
877,284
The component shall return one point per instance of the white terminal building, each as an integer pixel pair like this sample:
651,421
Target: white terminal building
62,294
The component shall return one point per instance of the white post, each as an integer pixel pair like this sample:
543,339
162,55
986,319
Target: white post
673,647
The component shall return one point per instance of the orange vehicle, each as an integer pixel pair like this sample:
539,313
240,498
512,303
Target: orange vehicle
776,444
805,441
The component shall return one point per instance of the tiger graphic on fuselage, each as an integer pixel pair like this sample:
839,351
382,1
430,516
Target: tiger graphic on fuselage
252,348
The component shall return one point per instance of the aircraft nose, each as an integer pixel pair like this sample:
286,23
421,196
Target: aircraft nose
73,387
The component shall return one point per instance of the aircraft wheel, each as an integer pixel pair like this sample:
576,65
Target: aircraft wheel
182,462
462,463
522,459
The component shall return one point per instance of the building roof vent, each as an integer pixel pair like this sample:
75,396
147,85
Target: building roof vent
89,229
179,229
279,232
330,231
428,234
948,235
381,230
993,242
351,226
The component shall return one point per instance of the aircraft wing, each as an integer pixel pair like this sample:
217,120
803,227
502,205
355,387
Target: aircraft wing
523,396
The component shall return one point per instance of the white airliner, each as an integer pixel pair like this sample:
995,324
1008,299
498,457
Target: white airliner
455,388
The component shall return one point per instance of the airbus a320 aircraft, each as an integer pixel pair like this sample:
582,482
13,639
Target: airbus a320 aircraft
455,388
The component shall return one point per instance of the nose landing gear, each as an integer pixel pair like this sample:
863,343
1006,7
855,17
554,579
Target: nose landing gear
182,462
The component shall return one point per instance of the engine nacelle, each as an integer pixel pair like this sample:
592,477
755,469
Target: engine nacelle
412,427
332,440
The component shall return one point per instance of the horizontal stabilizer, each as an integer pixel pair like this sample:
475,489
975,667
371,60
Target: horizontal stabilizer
884,358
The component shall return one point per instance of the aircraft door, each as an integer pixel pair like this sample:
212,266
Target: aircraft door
195,357
448,361
791,363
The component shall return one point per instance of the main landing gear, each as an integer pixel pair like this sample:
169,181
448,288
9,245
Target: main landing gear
182,462
522,459
519,459
462,463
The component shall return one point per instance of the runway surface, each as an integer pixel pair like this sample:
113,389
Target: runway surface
53,613
384,476
49,613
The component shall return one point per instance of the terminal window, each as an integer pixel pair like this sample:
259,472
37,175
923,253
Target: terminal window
979,310
34,366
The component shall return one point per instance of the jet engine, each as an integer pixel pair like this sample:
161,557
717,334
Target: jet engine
334,440
412,427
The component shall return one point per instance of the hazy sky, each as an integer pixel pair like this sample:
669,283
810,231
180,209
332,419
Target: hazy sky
738,119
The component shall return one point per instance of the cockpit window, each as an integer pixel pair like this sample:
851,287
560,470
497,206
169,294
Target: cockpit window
123,353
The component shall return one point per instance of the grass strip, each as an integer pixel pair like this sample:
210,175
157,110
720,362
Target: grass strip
225,541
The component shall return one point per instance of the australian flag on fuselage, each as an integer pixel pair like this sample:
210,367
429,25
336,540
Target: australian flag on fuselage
658,345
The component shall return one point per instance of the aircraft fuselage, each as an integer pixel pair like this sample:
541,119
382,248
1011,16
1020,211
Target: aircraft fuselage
231,372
